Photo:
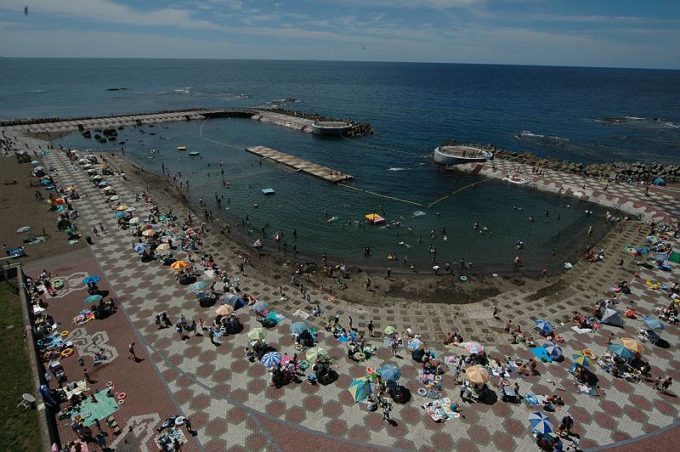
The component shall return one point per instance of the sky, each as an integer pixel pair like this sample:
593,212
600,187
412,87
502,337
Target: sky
614,33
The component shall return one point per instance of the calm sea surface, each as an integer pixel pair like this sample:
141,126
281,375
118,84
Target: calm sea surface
581,114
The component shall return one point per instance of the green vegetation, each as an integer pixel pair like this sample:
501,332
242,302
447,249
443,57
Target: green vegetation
20,430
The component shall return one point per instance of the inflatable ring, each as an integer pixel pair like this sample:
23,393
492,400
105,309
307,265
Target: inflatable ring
67,352
589,353
109,384
370,371
58,284
121,401
422,392
121,396
298,347
437,378
64,333
304,365
463,278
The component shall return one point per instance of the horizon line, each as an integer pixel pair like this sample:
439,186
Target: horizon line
318,60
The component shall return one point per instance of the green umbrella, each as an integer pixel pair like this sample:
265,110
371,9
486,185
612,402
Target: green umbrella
257,334
93,299
390,330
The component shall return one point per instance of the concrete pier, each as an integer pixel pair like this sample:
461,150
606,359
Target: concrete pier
290,122
299,164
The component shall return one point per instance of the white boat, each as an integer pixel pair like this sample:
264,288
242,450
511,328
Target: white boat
515,179
181,148
332,128
194,153
456,155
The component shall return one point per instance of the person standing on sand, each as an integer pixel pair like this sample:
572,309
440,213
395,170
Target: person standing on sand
370,327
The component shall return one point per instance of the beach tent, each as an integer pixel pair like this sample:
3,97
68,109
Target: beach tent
659,182
374,218
611,317
652,323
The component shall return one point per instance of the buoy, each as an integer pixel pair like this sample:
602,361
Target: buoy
463,278
422,392
66,353
58,284
121,401
121,396
64,333
109,384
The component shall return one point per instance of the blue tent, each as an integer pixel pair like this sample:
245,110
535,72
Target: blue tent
652,323
659,182
390,372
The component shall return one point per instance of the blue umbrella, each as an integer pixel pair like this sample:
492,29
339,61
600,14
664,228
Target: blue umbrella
139,248
621,351
92,279
544,326
553,350
360,389
119,215
199,286
652,323
540,423
260,306
103,183
271,359
415,344
93,299
390,372
298,327
235,301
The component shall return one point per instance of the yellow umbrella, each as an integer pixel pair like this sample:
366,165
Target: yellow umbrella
632,345
122,207
257,334
477,374
225,309
149,233
314,353
179,265
163,247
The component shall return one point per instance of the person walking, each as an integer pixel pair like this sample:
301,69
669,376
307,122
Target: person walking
131,350
666,384
387,408
370,327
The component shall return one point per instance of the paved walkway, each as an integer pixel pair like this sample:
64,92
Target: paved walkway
232,406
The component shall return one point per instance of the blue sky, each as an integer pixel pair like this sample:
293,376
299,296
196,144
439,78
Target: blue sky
621,33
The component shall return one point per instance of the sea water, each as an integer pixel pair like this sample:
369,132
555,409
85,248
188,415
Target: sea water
583,114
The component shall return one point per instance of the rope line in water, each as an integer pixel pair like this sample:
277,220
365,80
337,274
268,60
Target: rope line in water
457,191
376,146
380,195
215,141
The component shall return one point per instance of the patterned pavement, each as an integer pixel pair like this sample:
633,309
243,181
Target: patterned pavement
232,406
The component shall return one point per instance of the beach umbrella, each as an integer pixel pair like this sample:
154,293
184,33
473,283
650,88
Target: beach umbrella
122,207
544,326
179,265
415,344
224,309
540,423
199,286
553,350
632,345
23,229
360,389
96,177
235,301
102,184
621,351
581,360
114,198
257,334
260,307
108,189
298,327
93,299
271,359
163,247
390,372
131,209
149,233
477,374
119,215
612,317
134,221
313,354
652,323
139,247
389,330
92,279
474,348
83,160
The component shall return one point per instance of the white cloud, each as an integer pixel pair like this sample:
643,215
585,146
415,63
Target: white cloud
109,11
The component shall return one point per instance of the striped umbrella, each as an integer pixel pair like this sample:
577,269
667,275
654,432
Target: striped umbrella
271,359
360,388
553,350
540,423
632,345
581,360
179,265
544,326
621,351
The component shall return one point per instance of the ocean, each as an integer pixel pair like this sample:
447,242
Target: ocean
580,114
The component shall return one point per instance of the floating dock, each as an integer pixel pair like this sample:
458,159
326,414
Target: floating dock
299,164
